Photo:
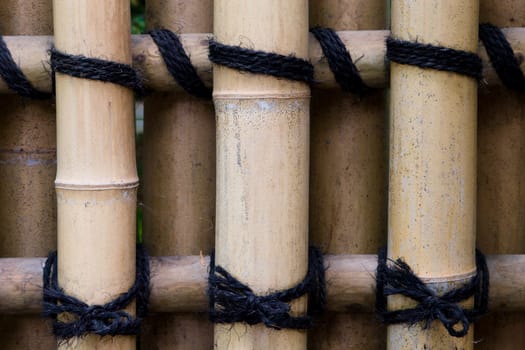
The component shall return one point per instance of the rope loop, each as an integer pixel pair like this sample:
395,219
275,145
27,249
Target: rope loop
399,279
15,78
434,57
345,72
231,301
79,66
260,62
179,64
107,319
502,56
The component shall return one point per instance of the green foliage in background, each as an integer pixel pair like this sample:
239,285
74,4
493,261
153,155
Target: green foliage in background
138,23
138,26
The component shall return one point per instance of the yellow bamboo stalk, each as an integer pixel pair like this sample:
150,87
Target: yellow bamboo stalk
432,162
27,170
262,164
348,202
179,177
96,174
500,175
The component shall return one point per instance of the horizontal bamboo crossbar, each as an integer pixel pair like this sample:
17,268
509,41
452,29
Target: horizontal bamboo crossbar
366,47
178,284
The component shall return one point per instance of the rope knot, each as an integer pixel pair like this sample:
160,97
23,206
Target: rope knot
231,301
450,314
107,319
400,279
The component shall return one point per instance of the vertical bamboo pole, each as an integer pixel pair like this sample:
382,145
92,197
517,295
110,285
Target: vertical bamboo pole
262,164
96,174
27,171
432,193
179,177
348,203
501,199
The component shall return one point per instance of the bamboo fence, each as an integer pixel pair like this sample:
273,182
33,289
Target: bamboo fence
368,46
418,165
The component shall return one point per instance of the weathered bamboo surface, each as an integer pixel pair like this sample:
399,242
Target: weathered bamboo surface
27,172
96,182
432,186
366,47
262,164
178,284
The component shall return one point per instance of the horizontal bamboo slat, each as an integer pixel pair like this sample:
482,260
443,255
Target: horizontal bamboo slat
366,47
178,284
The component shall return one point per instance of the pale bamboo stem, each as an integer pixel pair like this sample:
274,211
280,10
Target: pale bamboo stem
348,203
179,177
96,174
178,284
366,47
27,171
262,164
432,162
500,175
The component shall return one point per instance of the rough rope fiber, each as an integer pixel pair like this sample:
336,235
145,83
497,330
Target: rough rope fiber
231,301
435,57
502,57
260,62
96,69
340,61
15,78
399,279
107,319
178,63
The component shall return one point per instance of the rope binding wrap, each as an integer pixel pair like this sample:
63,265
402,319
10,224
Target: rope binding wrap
399,279
345,72
260,62
502,57
107,319
15,78
179,64
231,301
434,57
79,66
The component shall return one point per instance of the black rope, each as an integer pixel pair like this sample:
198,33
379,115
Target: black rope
340,61
96,69
107,319
502,56
231,301
178,63
260,62
399,279
15,78
435,57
